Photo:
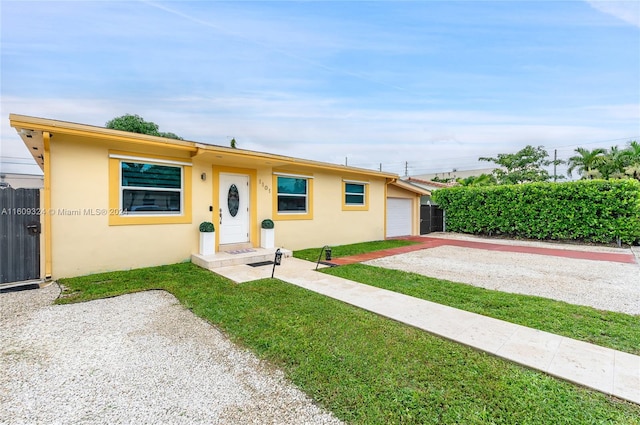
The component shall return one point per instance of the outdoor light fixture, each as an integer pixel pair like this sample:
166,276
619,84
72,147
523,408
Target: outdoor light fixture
203,176
327,255
276,261
278,258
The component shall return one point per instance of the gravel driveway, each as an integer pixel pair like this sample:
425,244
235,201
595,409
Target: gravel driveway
600,284
138,359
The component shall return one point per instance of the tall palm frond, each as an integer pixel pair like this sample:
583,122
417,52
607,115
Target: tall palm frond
586,161
631,154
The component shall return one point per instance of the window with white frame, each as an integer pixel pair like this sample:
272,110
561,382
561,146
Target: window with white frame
354,194
293,194
148,188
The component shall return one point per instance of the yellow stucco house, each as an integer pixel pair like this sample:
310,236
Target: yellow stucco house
114,200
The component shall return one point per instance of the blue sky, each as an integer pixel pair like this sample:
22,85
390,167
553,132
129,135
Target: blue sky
435,84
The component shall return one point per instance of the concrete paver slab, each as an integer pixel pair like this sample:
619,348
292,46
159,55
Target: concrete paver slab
584,364
531,347
486,334
626,376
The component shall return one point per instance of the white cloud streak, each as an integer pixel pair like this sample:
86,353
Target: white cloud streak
625,10
272,48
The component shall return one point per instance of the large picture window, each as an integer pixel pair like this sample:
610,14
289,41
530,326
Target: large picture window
149,188
292,195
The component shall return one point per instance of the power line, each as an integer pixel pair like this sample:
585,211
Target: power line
425,166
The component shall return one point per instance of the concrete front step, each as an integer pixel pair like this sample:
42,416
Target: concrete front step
31,284
225,259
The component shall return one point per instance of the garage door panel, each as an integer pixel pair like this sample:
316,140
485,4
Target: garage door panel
398,217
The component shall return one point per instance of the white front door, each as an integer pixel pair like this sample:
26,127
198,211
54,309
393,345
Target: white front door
234,208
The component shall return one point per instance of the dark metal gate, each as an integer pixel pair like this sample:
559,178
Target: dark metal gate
431,219
19,234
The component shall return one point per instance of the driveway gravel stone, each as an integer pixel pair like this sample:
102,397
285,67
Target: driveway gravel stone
139,358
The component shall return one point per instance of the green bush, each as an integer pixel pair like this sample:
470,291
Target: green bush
588,210
267,224
207,227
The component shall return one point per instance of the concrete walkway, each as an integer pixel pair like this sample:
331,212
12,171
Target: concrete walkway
603,369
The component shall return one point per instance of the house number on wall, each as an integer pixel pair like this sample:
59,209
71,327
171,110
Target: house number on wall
264,186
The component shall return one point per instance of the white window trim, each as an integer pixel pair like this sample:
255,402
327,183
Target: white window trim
177,164
299,176
149,160
354,181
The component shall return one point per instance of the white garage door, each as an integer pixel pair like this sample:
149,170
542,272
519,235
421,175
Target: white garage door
398,217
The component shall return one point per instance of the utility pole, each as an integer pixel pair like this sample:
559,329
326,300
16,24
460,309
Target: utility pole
555,164
381,166
346,164
406,168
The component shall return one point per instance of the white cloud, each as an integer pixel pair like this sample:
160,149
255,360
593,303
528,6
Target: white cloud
625,10
628,112
326,130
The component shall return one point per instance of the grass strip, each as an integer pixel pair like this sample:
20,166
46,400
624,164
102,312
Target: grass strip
605,328
364,368
311,254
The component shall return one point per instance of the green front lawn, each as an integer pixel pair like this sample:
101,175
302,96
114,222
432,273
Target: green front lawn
363,367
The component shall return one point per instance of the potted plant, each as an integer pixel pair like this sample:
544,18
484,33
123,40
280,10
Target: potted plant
267,234
207,238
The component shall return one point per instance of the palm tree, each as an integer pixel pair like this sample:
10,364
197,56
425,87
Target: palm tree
631,159
587,162
612,166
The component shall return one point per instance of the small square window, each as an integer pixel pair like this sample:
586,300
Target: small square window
354,194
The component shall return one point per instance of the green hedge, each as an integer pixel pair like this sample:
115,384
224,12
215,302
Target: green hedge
587,210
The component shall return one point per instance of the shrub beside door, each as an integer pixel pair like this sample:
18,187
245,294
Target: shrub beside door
207,238
267,234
